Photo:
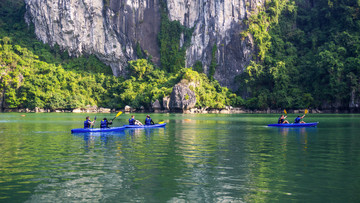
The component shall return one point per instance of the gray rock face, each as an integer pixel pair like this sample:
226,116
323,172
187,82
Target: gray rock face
110,29
354,100
182,98
156,105
166,103
127,108
217,23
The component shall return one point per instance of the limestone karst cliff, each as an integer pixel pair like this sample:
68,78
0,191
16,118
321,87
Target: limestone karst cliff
110,29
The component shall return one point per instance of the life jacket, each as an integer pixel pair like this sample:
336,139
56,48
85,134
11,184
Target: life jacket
131,121
280,121
297,120
103,124
147,121
87,124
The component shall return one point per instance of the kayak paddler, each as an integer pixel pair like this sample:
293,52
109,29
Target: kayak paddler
105,123
149,121
282,119
298,119
88,122
132,121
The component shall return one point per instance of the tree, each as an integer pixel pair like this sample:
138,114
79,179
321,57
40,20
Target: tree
140,67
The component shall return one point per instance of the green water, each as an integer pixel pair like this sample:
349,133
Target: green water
196,158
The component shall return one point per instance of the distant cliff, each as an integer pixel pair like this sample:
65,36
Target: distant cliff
111,29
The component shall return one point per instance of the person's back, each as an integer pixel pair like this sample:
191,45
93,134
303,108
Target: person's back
148,120
132,120
104,123
281,120
87,122
298,119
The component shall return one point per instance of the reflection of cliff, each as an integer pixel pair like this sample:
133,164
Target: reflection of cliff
215,161
152,164
277,161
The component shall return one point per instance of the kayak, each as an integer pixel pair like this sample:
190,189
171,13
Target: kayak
85,130
145,126
294,125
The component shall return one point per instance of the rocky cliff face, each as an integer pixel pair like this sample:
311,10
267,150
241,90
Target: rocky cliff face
217,23
111,29
182,98
107,28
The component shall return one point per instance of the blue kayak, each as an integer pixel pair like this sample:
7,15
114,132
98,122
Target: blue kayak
145,126
86,130
294,125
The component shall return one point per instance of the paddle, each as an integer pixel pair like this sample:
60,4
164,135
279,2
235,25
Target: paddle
305,112
93,122
161,122
117,115
285,121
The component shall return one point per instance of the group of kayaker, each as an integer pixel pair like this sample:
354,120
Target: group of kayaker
148,121
298,119
105,123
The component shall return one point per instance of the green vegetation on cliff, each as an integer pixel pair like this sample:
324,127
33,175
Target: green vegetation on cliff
28,82
308,55
172,56
33,74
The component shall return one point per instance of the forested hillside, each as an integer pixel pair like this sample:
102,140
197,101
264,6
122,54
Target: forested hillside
307,57
34,74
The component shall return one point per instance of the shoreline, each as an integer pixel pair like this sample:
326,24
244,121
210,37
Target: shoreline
227,110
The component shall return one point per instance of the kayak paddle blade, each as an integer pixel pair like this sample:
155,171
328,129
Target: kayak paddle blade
306,111
285,111
118,114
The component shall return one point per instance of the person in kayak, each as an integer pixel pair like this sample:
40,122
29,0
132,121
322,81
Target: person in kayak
149,121
132,120
282,120
105,123
88,122
298,119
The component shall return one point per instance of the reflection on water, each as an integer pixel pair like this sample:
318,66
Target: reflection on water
196,158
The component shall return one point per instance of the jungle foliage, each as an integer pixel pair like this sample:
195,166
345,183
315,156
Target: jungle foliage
309,56
28,82
172,55
33,74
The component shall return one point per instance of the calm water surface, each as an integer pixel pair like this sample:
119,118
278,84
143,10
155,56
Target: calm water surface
196,158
